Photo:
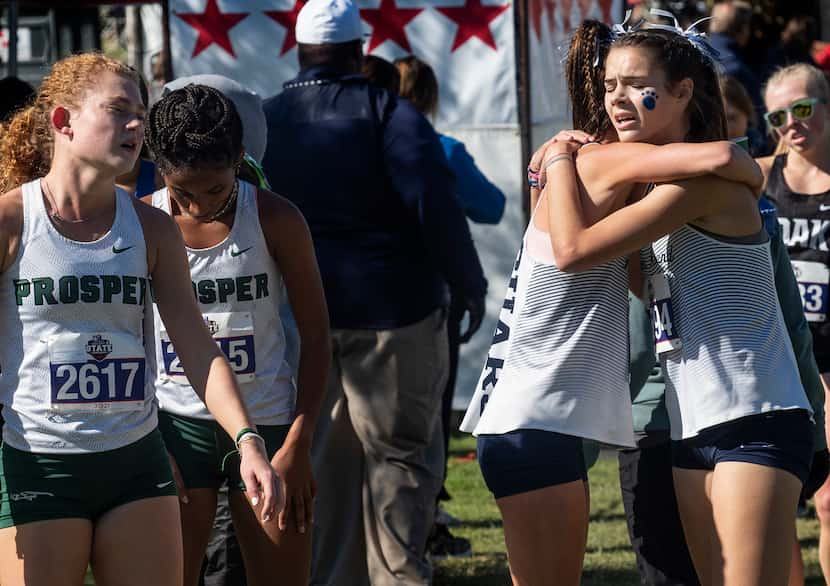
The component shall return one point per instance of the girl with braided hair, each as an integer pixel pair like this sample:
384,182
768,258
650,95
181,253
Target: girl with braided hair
247,248
741,424
84,476
540,392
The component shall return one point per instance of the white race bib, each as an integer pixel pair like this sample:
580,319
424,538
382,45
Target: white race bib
813,278
234,334
103,371
666,337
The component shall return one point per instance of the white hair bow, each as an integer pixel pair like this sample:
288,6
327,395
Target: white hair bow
691,33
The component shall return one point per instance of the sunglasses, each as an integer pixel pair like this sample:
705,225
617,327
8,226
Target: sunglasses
801,110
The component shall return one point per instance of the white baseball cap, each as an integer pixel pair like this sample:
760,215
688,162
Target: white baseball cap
328,21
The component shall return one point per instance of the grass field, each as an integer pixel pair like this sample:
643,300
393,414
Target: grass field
609,559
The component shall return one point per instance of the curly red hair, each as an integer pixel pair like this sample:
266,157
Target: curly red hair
26,141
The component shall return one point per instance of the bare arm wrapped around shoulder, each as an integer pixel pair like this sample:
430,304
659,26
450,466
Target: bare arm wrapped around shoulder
616,164
707,200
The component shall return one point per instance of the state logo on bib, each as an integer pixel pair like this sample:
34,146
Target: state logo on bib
666,337
813,278
233,333
103,371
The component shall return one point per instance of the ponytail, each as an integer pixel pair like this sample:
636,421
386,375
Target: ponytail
585,72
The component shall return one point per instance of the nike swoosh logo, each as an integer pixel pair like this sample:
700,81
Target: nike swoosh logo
120,250
235,253
823,207
164,484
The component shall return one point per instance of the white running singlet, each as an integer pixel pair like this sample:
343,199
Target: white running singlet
75,376
239,289
559,357
734,358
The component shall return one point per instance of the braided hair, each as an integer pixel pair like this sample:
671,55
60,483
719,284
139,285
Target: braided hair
680,59
585,72
193,128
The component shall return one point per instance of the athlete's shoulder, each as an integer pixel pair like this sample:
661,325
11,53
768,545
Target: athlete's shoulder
276,208
158,226
282,222
11,225
11,205
766,164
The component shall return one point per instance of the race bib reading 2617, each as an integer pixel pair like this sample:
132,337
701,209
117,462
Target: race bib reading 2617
234,334
102,371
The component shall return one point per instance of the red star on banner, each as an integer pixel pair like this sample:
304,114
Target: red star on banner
585,8
388,22
605,6
288,19
473,20
536,8
566,16
213,26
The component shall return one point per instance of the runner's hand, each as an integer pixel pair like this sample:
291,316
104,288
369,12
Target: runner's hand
262,485
572,138
293,465
181,489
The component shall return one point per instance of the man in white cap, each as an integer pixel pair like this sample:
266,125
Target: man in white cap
369,174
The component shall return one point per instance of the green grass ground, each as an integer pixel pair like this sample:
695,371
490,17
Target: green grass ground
608,560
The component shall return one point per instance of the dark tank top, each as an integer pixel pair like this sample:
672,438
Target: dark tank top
804,220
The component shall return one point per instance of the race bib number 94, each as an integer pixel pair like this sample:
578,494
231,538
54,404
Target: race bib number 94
96,372
666,337
234,334
813,278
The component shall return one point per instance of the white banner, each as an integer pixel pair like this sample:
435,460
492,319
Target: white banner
552,23
469,43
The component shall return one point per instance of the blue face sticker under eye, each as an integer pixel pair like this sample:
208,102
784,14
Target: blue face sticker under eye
650,99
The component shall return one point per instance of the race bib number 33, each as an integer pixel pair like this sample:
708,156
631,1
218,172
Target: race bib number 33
102,371
233,333
813,278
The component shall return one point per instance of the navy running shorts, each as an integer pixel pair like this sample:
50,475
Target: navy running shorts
779,439
529,459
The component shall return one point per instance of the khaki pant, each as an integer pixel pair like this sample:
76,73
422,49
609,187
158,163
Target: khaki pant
378,455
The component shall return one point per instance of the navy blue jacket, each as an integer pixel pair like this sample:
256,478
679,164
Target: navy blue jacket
369,175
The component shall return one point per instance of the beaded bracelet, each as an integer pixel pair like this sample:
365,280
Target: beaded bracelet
242,432
251,435
532,178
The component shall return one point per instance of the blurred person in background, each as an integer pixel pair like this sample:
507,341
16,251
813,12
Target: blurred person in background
798,184
482,202
741,119
15,94
795,45
368,173
142,179
729,33
382,73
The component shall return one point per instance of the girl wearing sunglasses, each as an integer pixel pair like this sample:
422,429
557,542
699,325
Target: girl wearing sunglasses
798,183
